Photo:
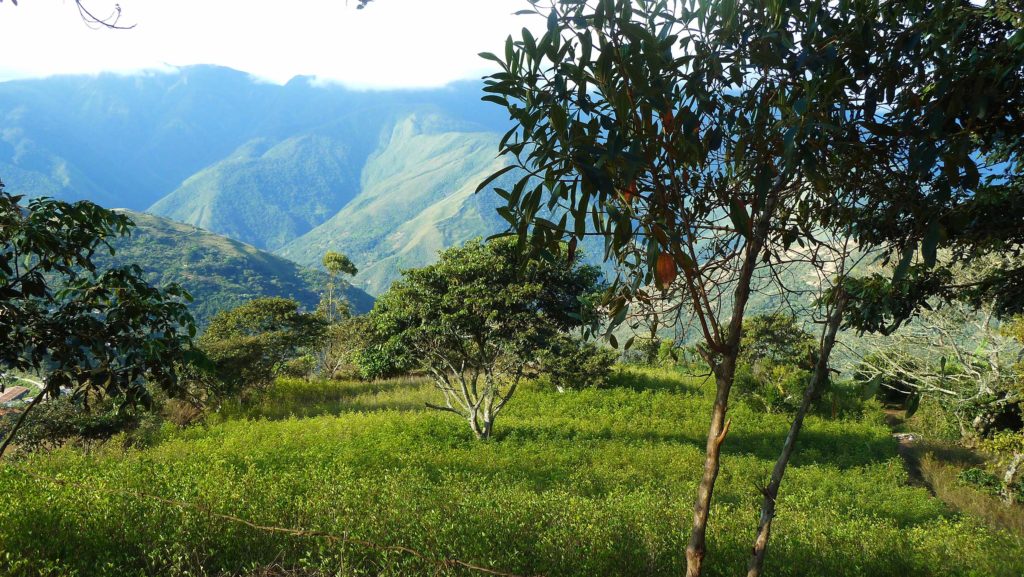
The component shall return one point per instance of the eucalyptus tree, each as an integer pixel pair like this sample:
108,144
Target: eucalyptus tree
691,136
333,305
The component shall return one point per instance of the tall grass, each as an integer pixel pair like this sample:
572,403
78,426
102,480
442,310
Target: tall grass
596,482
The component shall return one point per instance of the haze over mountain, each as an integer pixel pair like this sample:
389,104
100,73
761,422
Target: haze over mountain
384,176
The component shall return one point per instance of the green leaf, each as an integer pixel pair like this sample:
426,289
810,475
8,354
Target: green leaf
739,217
493,177
904,265
913,402
930,243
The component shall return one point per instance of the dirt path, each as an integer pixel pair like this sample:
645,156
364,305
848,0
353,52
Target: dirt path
894,418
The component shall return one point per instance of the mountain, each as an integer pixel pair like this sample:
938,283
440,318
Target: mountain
219,272
416,199
386,177
267,194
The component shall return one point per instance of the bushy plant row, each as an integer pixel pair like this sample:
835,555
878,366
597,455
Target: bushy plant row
593,482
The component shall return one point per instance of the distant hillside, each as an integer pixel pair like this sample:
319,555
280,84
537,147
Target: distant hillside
386,177
130,140
266,193
219,272
417,198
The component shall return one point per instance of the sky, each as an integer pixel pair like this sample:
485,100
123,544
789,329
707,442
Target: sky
389,44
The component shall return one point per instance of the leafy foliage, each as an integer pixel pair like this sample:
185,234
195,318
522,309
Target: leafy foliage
583,483
477,317
99,333
65,420
250,344
573,363
778,339
333,305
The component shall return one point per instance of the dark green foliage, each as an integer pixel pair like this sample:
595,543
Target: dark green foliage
573,363
251,344
777,339
476,317
981,479
953,131
770,386
775,361
65,420
98,332
381,359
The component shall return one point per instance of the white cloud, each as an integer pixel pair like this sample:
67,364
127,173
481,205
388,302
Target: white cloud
392,43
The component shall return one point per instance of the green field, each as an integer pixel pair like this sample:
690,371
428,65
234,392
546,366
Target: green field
589,483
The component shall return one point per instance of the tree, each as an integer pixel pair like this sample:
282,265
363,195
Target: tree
957,353
571,363
699,137
334,306
691,137
250,344
479,316
99,333
343,343
952,135
776,338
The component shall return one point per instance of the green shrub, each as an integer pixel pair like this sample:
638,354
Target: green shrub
981,479
572,363
933,421
56,422
771,387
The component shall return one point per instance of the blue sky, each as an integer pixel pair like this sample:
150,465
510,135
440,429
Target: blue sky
390,44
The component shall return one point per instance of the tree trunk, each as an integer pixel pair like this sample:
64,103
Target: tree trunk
724,371
716,435
1009,478
771,492
20,422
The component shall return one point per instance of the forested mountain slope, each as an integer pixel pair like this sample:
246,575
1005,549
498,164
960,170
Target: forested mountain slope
219,272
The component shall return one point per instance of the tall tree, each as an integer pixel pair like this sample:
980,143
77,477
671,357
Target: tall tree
95,332
250,343
699,137
334,306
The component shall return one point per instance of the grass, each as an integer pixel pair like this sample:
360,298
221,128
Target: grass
598,482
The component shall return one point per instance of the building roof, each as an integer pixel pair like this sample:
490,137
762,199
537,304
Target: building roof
13,394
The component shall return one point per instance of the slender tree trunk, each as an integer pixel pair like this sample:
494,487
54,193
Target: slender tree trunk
716,436
771,492
725,371
21,421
